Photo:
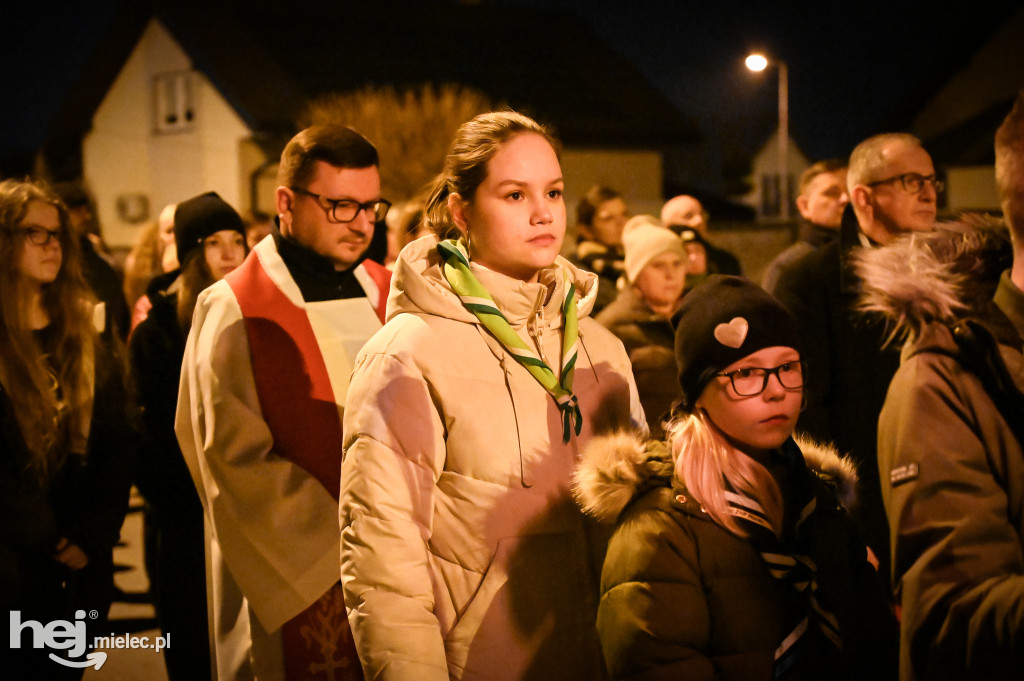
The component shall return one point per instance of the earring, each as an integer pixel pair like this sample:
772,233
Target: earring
469,245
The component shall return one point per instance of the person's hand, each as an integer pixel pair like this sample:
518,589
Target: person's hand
69,554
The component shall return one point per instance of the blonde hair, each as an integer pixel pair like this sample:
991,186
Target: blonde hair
143,262
465,167
706,463
831,165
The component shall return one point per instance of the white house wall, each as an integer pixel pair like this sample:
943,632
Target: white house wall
635,174
971,188
124,156
767,163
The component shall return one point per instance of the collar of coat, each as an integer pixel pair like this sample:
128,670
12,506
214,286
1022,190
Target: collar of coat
419,286
630,307
946,276
616,469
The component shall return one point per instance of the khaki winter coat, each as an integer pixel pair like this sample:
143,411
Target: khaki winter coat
951,462
463,554
684,598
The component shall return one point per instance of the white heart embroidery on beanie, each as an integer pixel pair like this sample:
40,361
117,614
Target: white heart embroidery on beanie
732,334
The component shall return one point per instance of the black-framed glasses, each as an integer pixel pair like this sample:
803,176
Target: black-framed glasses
913,183
750,381
347,210
40,236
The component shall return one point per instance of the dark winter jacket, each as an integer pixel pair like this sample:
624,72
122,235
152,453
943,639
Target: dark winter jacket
849,366
721,261
85,501
105,283
155,351
650,343
812,237
175,515
950,451
684,598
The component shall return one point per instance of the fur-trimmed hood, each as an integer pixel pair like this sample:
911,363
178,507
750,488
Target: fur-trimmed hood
941,276
615,469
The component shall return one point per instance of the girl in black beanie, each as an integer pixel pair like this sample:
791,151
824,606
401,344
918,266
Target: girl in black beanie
210,240
733,555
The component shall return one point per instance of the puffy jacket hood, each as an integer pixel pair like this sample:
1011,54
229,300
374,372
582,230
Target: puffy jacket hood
616,469
419,286
940,276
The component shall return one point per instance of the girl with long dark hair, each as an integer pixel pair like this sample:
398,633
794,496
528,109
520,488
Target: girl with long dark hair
64,442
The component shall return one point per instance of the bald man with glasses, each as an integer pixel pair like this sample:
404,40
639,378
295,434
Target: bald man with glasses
893,189
259,419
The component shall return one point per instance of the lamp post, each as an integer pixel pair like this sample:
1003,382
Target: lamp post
758,62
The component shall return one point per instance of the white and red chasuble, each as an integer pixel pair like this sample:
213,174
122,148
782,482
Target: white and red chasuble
259,420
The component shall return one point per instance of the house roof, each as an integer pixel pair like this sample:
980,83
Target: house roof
62,147
268,58
545,62
970,142
958,124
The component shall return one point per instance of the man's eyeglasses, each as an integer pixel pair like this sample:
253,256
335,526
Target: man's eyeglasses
40,236
347,210
912,183
750,381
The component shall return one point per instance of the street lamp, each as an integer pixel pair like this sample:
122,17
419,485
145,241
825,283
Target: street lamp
759,62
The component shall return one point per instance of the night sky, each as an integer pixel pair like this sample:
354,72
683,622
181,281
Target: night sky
853,72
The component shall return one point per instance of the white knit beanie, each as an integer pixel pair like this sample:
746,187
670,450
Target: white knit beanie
643,239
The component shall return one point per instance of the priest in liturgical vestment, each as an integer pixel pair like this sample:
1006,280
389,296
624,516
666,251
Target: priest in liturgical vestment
259,419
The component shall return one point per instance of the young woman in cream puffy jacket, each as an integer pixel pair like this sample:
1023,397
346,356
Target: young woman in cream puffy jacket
463,554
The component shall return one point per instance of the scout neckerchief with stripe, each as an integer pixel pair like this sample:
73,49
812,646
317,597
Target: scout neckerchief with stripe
787,563
477,300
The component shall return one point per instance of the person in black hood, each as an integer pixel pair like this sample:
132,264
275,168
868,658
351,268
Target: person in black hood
210,240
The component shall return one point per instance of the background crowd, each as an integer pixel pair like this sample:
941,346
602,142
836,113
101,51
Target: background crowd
632,462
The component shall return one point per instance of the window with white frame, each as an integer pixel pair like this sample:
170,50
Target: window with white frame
174,102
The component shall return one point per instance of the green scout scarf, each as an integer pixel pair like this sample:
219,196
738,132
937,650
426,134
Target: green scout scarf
477,300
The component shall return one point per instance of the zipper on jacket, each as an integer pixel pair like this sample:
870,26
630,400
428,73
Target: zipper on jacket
524,480
535,327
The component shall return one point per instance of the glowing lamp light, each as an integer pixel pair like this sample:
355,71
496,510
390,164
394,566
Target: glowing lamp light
759,62
756,62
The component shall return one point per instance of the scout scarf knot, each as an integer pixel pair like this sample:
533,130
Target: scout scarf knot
477,300
788,564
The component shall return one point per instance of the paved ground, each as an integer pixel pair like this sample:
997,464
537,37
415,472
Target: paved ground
132,616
